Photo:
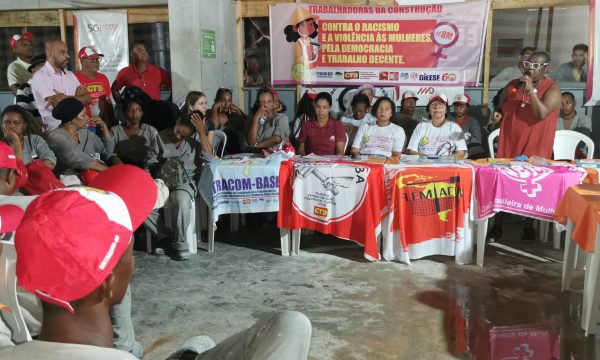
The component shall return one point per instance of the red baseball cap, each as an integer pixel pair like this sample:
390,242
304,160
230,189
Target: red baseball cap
10,218
409,95
439,97
16,37
89,52
462,99
70,239
8,160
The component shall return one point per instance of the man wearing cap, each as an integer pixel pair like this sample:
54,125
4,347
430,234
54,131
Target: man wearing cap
409,117
78,287
141,73
17,73
25,98
469,125
96,83
53,83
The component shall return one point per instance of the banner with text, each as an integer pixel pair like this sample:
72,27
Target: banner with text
438,44
524,189
241,185
107,32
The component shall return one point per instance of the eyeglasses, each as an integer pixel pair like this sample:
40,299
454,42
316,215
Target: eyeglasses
532,65
437,105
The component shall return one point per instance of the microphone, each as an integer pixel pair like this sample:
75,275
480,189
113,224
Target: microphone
314,43
517,86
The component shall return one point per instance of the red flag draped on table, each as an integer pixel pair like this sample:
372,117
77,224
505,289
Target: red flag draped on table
428,212
343,199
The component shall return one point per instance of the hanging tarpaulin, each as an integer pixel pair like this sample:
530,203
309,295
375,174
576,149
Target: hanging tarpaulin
107,32
435,44
593,87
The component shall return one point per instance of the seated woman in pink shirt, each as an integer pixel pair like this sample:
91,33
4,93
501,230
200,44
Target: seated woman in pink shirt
322,135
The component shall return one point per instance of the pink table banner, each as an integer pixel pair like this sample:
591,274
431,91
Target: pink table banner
532,191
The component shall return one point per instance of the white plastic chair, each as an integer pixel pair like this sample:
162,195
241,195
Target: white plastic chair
565,146
219,142
491,137
8,290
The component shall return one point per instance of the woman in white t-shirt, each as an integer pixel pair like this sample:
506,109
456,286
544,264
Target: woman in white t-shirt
382,138
438,137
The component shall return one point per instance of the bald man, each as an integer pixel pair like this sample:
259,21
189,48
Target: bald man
53,83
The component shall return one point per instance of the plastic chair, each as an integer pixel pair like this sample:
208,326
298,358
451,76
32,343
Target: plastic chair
493,135
219,142
565,146
8,289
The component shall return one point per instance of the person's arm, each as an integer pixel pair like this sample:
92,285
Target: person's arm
459,155
497,114
252,132
43,151
205,143
95,165
117,85
15,143
355,151
413,144
302,138
104,145
66,151
113,158
281,132
301,150
412,152
12,78
165,79
340,138
81,94
399,138
549,103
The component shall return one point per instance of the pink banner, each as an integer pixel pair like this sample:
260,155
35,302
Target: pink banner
527,190
438,44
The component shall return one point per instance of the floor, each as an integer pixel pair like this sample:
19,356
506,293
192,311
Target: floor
432,309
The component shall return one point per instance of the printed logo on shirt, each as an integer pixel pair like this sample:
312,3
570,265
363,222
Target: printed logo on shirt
424,141
329,194
95,87
332,138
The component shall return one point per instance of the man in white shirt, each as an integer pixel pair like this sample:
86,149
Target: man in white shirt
17,73
513,72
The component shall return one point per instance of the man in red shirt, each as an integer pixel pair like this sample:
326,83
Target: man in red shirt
96,83
142,74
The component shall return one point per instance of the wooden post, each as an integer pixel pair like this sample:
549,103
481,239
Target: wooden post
486,56
63,25
240,53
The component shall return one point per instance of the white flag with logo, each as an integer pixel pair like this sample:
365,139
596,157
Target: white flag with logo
107,31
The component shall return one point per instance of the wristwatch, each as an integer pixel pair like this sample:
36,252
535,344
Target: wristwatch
534,91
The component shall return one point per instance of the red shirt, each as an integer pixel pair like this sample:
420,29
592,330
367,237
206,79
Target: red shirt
521,132
321,140
150,80
95,87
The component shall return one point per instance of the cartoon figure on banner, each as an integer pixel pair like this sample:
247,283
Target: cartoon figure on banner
301,31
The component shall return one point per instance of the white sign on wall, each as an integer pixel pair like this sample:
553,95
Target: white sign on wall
107,31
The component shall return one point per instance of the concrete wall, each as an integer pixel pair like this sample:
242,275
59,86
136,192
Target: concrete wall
189,70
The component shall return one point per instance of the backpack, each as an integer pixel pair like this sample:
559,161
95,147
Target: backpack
172,172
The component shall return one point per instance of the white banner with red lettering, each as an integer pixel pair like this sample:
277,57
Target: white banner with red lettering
107,31
435,44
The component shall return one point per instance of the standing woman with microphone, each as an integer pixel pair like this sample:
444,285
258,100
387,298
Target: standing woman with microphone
528,111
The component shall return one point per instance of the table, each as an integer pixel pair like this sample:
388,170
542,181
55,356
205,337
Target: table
580,207
342,198
240,184
429,211
521,188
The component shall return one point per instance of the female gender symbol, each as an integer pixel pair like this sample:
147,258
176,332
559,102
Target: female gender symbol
444,35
